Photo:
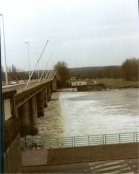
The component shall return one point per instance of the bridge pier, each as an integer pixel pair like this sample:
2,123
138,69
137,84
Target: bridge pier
26,118
33,116
45,97
27,113
49,92
40,104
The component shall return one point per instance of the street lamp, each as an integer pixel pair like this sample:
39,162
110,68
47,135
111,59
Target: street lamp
1,121
6,76
28,57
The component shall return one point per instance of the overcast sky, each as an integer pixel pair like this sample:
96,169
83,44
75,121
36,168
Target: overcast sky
80,32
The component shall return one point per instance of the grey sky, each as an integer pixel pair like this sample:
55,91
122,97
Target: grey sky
80,32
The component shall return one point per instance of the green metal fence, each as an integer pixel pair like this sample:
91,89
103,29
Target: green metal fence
42,141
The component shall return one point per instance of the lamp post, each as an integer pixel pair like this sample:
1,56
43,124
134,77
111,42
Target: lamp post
1,121
27,43
6,75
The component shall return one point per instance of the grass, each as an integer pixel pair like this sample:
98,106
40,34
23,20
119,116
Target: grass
118,83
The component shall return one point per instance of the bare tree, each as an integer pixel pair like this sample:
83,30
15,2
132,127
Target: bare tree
62,73
14,69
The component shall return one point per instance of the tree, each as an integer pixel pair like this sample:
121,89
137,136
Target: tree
130,69
14,69
62,73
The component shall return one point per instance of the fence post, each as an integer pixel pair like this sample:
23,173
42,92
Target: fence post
57,142
88,141
104,139
119,138
135,136
73,141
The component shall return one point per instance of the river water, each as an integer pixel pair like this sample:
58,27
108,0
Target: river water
89,113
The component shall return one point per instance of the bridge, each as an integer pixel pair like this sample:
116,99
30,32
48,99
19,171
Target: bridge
22,105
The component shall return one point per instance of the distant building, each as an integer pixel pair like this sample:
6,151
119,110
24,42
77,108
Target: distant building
78,83
73,78
92,82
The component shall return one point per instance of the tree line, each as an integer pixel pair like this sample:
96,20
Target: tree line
96,72
129,70
16,74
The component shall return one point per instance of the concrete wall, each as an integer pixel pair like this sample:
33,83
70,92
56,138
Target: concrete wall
28,113
12,157
93,153
7,109
12,151
8,104
56,158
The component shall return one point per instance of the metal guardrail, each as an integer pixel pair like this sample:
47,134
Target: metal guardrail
42,141
22,86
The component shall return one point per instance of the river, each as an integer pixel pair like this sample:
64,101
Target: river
89,113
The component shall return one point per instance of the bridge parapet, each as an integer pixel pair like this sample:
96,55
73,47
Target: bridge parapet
21,87
30,91
8,104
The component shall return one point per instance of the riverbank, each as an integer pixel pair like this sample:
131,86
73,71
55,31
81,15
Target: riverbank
107,84
118,83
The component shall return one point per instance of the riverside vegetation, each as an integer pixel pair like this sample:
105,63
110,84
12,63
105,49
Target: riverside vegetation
123,76
118,83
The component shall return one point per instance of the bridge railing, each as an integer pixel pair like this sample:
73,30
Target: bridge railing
22,86
42,141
